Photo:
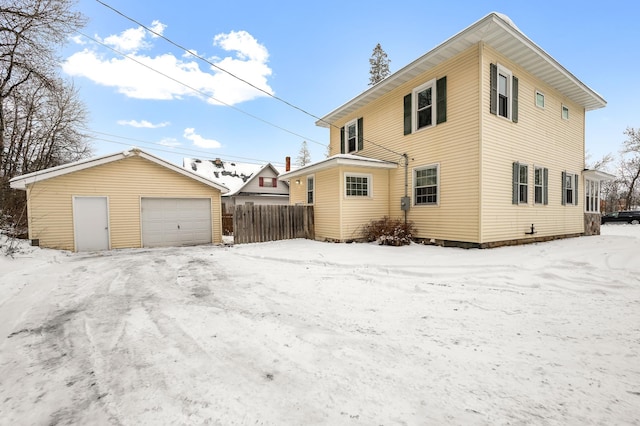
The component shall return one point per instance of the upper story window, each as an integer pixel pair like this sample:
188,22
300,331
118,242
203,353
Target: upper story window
357,185
520,192
351,137
539,99
310,189
504,93
268,182
425,106
425,182
565,112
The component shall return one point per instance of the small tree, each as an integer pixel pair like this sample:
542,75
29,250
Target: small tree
304,157
379,65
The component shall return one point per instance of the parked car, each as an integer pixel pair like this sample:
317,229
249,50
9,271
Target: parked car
629,216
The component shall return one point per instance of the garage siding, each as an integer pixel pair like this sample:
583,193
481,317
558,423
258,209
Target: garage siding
124,182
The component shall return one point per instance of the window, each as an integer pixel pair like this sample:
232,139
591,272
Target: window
425,180
310,189
520,193
423,105
268,182
540,185
569,188
357,185
539,99
351,137
565,112
426,106
504,93
592,196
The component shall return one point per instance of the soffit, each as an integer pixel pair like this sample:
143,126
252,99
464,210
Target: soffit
499,32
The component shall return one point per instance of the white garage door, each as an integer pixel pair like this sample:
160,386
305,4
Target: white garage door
175,221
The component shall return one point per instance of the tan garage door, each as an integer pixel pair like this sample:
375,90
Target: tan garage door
175,221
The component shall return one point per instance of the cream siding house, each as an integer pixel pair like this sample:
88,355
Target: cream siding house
486,137
123,200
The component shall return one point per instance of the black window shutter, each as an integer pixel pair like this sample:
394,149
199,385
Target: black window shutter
545,186
493,102
407,114
575,194
441,103
342,140
564,188
516,182
514,106
360,135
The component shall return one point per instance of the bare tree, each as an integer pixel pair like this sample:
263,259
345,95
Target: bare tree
630,167
304,157
41,116
379,63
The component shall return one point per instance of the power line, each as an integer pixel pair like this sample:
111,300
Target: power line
179,46
200,91
180,151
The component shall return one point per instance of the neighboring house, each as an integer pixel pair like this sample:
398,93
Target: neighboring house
247,183
480,142
122,200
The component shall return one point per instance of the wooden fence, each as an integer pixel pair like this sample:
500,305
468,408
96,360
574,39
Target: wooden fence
257,224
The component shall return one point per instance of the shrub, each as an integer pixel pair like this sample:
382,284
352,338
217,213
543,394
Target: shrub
390,232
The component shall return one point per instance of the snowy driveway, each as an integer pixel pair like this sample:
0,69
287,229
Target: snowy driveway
302,332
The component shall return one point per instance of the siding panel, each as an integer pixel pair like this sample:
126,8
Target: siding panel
124,182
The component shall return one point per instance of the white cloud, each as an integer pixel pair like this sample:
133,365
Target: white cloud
199,141
250,62
142,124
170,142
157,27
130,40
78,39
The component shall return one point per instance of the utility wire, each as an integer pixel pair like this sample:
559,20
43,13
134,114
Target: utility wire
179,46
199,91
179,151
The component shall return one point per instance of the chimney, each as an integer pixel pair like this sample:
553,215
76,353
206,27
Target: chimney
217,162
287,161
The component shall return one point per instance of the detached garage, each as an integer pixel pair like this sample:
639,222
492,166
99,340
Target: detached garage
124,200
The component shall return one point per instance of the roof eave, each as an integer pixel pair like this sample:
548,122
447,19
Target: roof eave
338,160
483,30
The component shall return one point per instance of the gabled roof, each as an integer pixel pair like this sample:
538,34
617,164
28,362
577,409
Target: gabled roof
339,160
499,32
233,175
21,182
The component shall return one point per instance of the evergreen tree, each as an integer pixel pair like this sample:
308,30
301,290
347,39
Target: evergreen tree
304,157
379,65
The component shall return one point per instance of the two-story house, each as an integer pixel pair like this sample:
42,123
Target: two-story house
248,183
480,142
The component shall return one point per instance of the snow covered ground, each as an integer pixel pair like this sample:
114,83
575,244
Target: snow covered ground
303,332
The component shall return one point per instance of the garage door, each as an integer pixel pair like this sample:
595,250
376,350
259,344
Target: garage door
175,221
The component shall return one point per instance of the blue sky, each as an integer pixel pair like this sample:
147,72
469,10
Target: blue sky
314,56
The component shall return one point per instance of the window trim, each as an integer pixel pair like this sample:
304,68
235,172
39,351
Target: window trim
544,186
414,104
353,123
415,187
507,73
592,189
539,93
369,177
311,178
573,179
562,114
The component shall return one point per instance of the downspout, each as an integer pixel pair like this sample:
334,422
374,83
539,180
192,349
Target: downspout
406,183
